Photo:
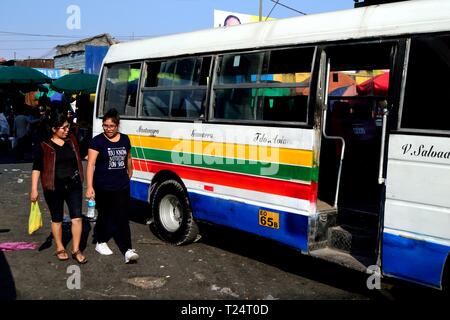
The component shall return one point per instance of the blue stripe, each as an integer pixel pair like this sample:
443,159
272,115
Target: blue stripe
419,261
293,229
139,190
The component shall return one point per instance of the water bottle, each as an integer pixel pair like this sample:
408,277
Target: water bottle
91,209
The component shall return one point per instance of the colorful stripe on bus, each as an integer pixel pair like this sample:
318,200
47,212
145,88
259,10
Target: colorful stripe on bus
230,184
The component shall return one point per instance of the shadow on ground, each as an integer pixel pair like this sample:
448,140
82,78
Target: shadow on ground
294,262
7,285
67,236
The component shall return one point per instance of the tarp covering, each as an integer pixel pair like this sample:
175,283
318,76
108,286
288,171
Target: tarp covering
94,58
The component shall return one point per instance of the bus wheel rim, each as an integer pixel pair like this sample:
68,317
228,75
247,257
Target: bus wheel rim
170,211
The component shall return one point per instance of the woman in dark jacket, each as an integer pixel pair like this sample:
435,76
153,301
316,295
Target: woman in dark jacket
58,163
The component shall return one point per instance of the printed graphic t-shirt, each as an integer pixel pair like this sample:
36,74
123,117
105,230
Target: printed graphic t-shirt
111,166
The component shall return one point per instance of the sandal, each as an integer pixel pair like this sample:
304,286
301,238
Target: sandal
58,253
75,257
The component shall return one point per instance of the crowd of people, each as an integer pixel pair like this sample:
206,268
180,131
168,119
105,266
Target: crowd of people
21,119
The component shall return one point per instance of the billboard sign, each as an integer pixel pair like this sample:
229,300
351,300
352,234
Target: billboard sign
227,18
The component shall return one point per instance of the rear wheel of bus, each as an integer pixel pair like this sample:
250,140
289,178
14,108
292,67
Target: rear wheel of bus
172,214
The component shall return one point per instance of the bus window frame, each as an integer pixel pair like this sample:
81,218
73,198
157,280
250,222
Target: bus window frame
414,131
101,98
307,124
143,89
396,85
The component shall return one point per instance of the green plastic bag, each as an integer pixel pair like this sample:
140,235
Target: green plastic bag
35,220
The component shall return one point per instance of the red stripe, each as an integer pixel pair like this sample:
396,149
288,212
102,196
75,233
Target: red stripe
282,188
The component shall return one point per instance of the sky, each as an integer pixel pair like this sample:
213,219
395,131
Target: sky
33,28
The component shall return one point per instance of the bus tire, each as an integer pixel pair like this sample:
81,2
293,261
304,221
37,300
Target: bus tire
173,221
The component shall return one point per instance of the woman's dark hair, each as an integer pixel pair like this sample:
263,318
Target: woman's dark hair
113,115
55,120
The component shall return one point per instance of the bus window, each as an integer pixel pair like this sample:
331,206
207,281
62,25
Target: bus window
264,86
176,88
121,88
239,68
426,97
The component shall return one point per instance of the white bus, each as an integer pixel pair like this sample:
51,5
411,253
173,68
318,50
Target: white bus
329,133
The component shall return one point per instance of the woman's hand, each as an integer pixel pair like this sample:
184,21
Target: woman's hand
34,195
90,193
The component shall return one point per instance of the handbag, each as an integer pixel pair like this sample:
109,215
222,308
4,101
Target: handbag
35,220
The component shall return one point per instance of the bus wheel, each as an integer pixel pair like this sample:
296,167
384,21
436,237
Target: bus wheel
172,214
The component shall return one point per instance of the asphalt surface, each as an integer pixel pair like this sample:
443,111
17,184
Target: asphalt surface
222,265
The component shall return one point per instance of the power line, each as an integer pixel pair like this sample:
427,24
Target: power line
9,33
272,9
37,35
16,49
277,2
29,40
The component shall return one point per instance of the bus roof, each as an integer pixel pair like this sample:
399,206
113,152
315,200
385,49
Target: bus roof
409,17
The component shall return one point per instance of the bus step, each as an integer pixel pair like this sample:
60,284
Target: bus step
358,219
319,237
351,239
355,262
324,207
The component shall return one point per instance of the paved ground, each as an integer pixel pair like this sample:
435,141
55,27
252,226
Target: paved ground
222,265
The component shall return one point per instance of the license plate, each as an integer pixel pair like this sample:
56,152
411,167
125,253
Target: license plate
269,219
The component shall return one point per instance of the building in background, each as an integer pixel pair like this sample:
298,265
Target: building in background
84,55
31,63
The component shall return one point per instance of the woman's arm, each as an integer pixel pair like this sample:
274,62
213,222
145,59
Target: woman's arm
35,174
92,158
38,166
130,165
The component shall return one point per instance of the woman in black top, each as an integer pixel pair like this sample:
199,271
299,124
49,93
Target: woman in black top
110,154
57,163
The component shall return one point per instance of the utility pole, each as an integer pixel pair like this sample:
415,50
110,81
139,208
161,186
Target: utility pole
260,10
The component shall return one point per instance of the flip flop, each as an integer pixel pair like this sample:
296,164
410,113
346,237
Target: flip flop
75,257
57,253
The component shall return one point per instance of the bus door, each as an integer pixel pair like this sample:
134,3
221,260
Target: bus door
356,96
416,234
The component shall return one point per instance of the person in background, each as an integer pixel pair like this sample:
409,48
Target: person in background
58,165
72,110
4,131
231,20
108,174
21,133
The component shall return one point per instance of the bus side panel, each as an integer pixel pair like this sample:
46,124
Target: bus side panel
419,261
293,227
139,190
416,240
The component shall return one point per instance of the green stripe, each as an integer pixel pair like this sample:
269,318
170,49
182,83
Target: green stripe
278,171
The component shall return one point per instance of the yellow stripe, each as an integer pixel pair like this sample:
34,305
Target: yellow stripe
227,150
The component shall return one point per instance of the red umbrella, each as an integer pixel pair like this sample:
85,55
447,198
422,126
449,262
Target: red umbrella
377,86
